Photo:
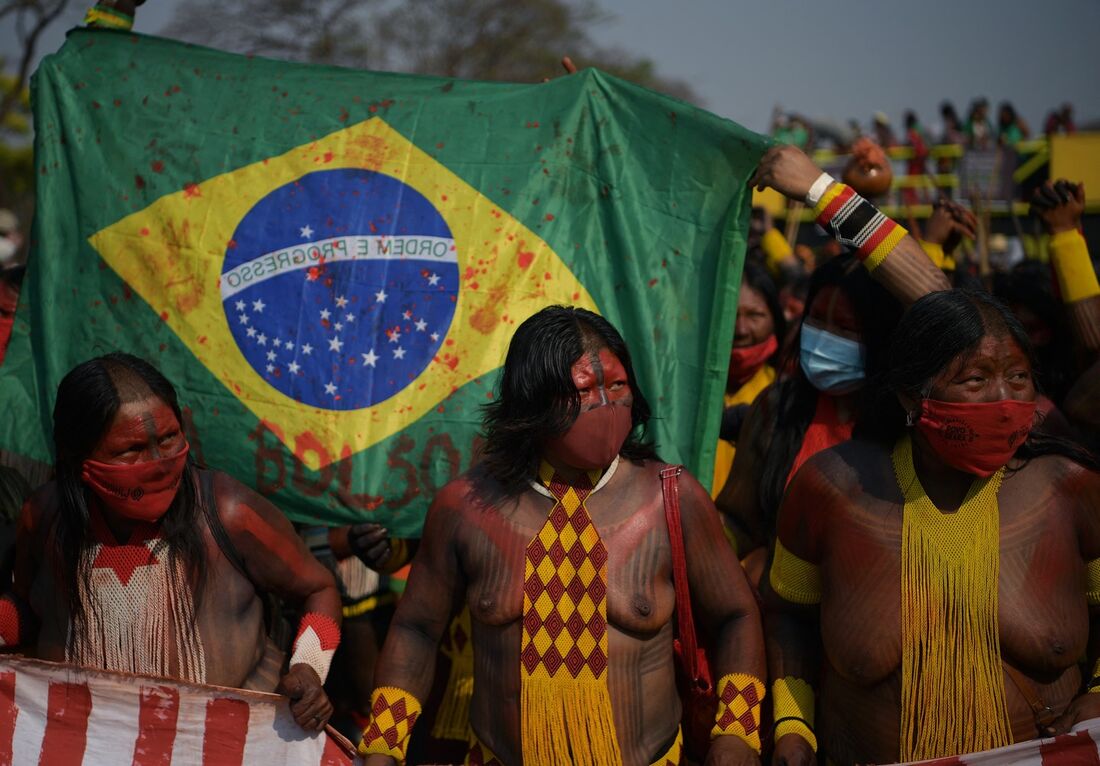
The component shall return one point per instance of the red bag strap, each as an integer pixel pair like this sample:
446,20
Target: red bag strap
685,622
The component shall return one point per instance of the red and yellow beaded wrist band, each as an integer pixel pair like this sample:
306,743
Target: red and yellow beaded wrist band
739,698
393,712
855,222
108,18
793,709
1073,267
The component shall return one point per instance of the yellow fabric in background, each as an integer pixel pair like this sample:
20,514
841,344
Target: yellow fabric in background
723,456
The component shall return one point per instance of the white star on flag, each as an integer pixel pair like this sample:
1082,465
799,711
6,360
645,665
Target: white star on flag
325,314
251,332
258,305
369,358
380,296
277,343
341,302
240,305
293,367
434,336
307,349
244,318
421,325
335,344
306,232
271,356
433,280
393,335
349,317
271,368
408,314
262,340
338,326
330,388
399,353
289,345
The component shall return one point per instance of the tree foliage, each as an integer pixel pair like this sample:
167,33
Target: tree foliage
511,40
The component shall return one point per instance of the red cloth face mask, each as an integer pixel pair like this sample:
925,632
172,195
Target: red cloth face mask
746,360
594,439
975,437
140,491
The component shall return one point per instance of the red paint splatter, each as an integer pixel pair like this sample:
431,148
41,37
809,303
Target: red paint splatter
145,231
547,276
163,347
652,282
576,296
164,315
531,124
95,104
449,342
157,166
439,145
343,114
202,340
444,197
524,257
328,157
549,216
231,244
139,182
191,190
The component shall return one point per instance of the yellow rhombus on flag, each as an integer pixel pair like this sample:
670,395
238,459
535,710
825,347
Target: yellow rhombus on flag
178,254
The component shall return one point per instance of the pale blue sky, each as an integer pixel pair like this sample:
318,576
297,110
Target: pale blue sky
839,59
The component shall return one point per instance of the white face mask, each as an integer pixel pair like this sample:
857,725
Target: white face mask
8,251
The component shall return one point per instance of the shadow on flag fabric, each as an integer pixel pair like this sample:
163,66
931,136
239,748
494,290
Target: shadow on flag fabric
329,264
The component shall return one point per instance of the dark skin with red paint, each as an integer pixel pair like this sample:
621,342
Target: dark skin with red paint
230,618
473,552
842,512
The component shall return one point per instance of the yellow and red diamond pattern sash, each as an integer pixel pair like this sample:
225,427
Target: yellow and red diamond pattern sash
566,705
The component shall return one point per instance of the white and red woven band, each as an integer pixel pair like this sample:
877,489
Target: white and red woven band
318,637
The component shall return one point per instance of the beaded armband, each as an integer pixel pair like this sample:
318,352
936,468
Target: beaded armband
793,709
1076,276
318,637
108,18
393,712
739,698
793,579
855,222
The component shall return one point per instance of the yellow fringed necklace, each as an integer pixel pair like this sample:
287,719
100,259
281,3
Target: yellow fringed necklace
564,699
952,686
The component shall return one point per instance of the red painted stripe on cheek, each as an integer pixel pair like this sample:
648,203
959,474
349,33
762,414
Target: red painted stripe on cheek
156,726
67,711
226,729
8,714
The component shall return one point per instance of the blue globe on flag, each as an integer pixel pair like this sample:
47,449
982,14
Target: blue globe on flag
339,287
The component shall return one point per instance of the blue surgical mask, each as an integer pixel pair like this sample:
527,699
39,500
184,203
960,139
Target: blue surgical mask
833,365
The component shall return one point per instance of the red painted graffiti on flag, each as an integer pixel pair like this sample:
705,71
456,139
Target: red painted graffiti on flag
55,713
1079,748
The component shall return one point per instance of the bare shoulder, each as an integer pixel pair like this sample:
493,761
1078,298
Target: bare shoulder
239,506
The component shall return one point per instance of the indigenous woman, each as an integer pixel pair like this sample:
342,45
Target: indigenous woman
135,559
937,575
760,325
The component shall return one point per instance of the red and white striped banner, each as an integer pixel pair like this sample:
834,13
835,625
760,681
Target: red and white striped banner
1078,748
53,714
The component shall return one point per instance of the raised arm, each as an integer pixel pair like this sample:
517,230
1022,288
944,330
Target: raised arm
406,666
276,560
725,608
891,256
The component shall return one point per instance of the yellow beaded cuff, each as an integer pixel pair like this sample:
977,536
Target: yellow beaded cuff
793,709
739,698
1076,276
792,578
393,712
1092,582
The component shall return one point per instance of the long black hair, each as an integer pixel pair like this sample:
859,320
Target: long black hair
537,399
876,312
936,330
88,398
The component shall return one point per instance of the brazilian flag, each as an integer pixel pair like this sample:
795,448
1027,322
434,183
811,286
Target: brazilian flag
329,263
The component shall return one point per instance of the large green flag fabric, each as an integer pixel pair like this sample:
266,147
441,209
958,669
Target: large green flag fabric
329,263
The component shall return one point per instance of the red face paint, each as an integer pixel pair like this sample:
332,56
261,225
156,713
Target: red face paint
975,437
746,360
140,491
605,420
